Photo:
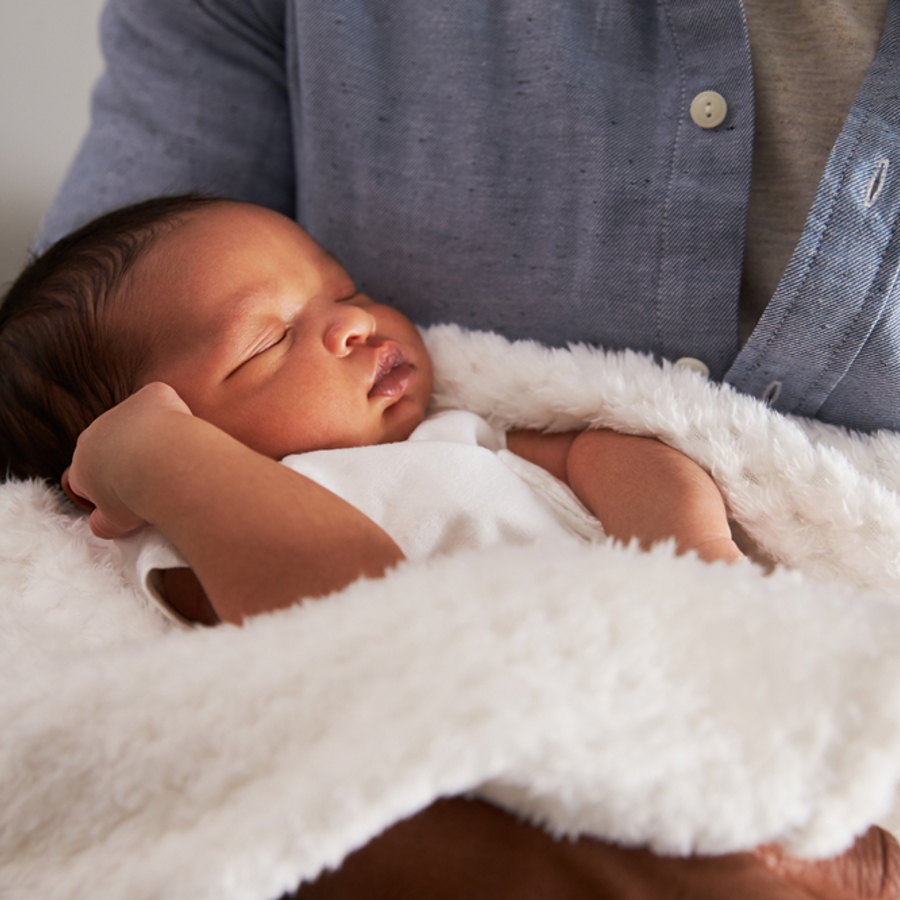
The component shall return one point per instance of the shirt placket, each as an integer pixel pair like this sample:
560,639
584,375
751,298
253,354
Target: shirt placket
709,182
845,266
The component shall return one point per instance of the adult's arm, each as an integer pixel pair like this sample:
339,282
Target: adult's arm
193,99
462,849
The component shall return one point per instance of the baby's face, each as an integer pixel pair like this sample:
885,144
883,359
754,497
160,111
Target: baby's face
262,333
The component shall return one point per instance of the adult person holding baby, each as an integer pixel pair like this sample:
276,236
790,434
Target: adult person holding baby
580,171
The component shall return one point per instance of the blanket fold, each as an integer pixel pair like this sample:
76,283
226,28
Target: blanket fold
641,698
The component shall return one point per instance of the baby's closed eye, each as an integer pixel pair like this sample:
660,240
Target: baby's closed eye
261,349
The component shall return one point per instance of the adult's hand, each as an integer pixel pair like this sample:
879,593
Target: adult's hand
469,850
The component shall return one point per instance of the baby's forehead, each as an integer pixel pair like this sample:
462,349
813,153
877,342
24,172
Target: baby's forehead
214,263
141,306
145,281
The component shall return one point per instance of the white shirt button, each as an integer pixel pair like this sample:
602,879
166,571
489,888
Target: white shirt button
708,109
695,365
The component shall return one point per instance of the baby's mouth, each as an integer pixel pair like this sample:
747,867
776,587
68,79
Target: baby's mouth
393,375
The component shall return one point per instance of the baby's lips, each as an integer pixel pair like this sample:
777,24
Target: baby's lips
81,502
395,382
389,356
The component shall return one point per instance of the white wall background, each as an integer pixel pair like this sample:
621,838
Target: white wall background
49,59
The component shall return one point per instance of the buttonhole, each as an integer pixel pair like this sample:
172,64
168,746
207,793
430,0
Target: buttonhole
771,393
876,183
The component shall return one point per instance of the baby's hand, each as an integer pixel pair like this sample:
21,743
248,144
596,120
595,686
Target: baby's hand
101,465
711,549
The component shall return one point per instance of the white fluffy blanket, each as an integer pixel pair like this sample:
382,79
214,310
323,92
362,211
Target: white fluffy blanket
641,698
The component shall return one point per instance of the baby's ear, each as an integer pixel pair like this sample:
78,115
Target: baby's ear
77,499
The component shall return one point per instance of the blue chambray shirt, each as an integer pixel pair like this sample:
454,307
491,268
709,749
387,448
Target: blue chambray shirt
518,165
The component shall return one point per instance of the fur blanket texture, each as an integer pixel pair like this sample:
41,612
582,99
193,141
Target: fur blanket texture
646,699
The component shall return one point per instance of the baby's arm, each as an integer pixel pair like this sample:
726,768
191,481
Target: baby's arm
257,535
637,487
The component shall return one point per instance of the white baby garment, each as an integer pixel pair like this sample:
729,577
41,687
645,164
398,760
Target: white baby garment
451,486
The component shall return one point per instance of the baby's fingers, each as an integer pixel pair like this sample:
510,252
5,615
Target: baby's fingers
109,528
102,524
79,500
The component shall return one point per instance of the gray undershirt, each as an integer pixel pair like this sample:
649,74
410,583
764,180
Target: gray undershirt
809,60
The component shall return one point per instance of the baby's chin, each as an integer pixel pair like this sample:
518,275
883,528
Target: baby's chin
401,420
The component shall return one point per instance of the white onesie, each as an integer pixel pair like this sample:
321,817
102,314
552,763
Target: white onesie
452,485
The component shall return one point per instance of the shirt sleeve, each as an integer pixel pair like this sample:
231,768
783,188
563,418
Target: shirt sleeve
145,555
193,99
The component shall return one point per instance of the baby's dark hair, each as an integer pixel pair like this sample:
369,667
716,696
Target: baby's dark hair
63,359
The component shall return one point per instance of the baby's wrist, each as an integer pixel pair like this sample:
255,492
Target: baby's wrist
152,454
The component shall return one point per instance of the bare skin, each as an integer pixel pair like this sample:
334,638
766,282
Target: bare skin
469,849
637,487
257,535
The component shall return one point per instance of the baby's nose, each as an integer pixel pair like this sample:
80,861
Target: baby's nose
350,325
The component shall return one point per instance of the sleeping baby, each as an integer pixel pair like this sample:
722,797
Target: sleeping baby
164,359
